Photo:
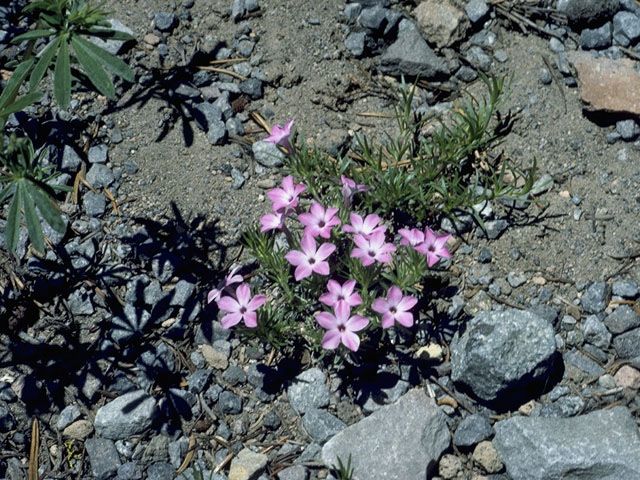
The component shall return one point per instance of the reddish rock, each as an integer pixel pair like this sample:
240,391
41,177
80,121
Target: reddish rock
608,85
442,23
151,39
627,377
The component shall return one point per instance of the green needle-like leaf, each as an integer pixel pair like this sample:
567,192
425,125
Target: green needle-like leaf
12,229
33,34
43,63
110,61
94,70
33,222
45,204
62,82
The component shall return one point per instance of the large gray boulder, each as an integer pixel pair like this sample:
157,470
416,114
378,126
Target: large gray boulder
601,445
503,357
588,12
403,440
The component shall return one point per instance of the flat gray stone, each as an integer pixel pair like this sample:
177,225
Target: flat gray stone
308,390
100,176
601,445
399,441
103,457
594,299
476,10
504,356
127,415
267,154
112,46
67,416
625,288
321,425
622,319
94,204
472,430
587,12
410,55
595,332
628,344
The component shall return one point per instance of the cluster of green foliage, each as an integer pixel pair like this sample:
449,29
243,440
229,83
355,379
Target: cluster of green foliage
66,26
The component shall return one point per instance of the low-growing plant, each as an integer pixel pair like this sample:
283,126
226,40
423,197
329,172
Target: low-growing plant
68,25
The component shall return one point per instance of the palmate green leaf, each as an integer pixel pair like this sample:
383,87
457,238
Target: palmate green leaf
43,63
109,60
12,229
33,222
11,90
94,70
53,20
6,190
62,81
33,34
46,206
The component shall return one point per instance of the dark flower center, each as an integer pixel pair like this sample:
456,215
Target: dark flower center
432,248
341,328
312,261
372,253
393,310
243,310
321,224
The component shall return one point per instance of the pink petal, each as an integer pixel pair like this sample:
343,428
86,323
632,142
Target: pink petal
347,287
308,244
321,268
394,295
407,303
380,305
382,258
371,221
287,183
317,210
334,287
361,242
357,323
228,304
287,126
325,250
243,294
307,219
387,320
302,271
342,313
405,319
326,320
354,300
331,339
296,257
328,299
230,320
251,319
350,340
256,302
213,295
432,259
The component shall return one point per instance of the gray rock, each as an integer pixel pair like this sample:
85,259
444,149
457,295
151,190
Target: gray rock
627,344
161,471
98,153
130,326
373,18
595,332
164,266
588,12
493,229
556,45
414,425
94,204
234,375
629,130
165,21
308,390
7,423
70,161
351,11
134,293
267,154
182,293
129,471
199,380
625,288
626,28
100,176
295,472
570,405
237,10
153,293
466,74
601,445
234,126
502,356
217,133
594,299
386,388
516,279
476,10
103,457
80,303
157,450
112,46
622,319
321,425
248,465
237,178
245,47
355,43
596,37
252,87
157,361
410,55
187,91
472,430
127,415
559,391
630,6
229,402
500,55
6,394
582,362
177,451
206,114
479,58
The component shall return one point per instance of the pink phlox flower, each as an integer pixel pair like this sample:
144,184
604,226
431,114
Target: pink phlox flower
350,188
341,293
395,308
365,227
287,196
341,327
280,135
319,221
242,307
310,259
372,249
231,278
272,221
413,237
434,246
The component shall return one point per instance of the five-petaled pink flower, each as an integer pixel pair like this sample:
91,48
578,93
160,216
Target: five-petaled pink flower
350,188
319,221
372,249
395,308
340,293
413,237
310,259
287,196
280,135
272,221
365,227
434,246
230,279
341,327
242,307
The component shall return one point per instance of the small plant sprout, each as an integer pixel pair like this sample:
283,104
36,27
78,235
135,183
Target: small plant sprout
395,308
318,221
340,293
341,327
310,259
372,249
241,308
287,196
280,136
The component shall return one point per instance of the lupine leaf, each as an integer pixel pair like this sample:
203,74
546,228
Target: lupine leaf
41,33
110,61
12,229
106,33
33,222
21,103
62,81
94,70
43,63
18,76
46,206
6,190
